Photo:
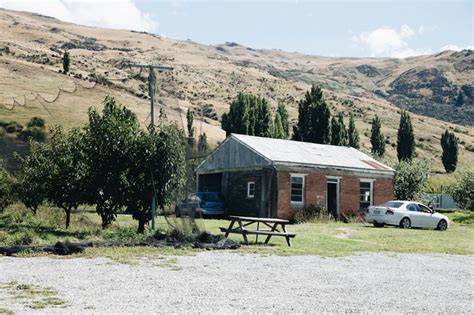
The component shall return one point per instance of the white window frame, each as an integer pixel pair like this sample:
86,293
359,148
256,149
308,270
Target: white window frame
248,190
298,203
371,181
334,180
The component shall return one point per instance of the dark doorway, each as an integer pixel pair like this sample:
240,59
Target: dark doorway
332,199
210,182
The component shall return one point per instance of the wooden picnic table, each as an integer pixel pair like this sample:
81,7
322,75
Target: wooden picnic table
271,223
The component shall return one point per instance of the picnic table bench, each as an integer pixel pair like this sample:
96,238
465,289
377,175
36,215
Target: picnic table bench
271,223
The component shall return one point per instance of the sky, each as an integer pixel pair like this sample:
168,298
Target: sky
348,28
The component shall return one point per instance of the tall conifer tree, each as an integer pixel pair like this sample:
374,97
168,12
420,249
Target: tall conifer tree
405,138
281,110
313,118
377,138
353,135
449,143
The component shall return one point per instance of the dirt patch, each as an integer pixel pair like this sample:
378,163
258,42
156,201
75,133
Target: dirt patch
344,233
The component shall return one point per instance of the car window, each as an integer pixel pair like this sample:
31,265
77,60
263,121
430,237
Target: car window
424,208
392,204
413,207
212,197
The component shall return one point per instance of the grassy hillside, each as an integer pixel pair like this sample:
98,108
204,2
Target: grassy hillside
207,78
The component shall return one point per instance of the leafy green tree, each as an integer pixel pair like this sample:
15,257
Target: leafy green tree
190,120
278,131
281,110
410,178
263,122
158,169
353,134
31,180
377,138
462,189
237,119
6,183
108,146
313,118
249,115
343,130
67,171
66,62
338,131
405,138
449,143
203,146
335,132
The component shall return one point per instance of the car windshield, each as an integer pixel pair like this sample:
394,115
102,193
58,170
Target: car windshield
392,204
212,197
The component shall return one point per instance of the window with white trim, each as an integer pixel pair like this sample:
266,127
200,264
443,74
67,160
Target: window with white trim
297,189
250,189
365,200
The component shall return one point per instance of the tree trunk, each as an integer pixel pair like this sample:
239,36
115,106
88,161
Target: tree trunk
141,226
68,216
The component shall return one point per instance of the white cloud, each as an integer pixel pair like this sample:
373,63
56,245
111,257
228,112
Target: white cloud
456,48
118,14
386,41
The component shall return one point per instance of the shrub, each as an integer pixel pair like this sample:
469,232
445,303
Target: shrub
311,213
33,133
463,189
21,238
36,122
5,188
410,178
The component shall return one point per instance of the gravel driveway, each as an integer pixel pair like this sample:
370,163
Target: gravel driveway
229,282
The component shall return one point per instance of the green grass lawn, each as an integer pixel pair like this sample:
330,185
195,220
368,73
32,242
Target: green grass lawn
18,226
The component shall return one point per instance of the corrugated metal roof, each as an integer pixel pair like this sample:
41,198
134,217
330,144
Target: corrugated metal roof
295,152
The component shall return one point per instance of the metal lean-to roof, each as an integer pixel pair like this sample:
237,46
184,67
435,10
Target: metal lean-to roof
303,153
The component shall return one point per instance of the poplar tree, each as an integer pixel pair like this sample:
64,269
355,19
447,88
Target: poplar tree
405,138
449,143
377,138
66,62
281,110
190,121
203,146
278,131
353,135
343,130
335,132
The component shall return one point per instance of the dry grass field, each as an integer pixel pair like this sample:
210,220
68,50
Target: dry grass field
205,78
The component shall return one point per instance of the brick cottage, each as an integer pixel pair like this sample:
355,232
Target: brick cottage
267,177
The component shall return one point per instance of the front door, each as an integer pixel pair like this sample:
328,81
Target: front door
332,199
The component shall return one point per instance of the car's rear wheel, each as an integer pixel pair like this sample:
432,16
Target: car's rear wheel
442,225
405,223
379,225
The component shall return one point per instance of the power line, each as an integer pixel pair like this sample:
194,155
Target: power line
151,90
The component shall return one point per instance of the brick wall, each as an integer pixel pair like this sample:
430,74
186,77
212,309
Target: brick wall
349,194
383,191
315,192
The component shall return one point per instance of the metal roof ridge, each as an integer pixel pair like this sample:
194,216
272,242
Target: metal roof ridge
235,136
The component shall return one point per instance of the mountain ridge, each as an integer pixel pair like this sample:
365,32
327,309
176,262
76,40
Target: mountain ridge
208,77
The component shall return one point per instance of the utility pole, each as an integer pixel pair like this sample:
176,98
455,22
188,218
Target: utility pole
151,92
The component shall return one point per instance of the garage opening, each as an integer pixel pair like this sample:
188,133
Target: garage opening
210,182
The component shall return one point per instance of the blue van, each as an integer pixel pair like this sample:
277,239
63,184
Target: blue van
205,203
212,203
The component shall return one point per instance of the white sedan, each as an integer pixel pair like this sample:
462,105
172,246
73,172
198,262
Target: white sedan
406,214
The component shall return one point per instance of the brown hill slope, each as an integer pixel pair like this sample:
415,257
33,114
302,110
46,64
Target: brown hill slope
208,77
